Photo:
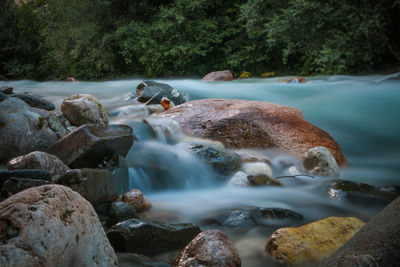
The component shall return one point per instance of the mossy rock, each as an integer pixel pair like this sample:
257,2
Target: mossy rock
245,75
269,74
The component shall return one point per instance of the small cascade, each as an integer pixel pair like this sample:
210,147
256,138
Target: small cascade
167,131
156,166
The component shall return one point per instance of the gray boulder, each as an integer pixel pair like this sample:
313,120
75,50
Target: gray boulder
320,161
149,237
24,129
84,109
41,161
375,244
51,225
95,185
91,145
151,92
35,101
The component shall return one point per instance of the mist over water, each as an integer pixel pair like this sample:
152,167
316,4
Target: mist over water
361,113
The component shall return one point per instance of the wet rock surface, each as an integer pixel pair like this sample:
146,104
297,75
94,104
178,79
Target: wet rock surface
251,216
149,237
52,226
14,185
151,92
31,174
91,145
35,101
115,212
95,185
136,200
252,124
210,248
312,242
320,161
24,129
376,244
41,161
84,109
222,161
218,76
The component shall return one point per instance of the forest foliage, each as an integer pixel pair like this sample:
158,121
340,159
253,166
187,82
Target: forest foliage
99,39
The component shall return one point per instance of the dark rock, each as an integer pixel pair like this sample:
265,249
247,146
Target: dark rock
376,244
13,185
8,90
3,96
147,237
219,76
138,260
151,92
91,145
210,248
360,194
31,174
115,212
251,216
51,225
252,124
95,185
24,129
223,161
41,161
35,101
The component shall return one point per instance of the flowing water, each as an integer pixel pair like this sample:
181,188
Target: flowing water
361,113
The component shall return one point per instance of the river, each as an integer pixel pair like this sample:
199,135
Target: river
362,113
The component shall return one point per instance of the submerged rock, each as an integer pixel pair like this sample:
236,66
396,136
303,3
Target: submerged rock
52,226
91,145
94,185
222,161
252,124
24,129
41,161
151,92
252,156
320,161
84,109
136,200
148,237
5,89
210,248
251,216
252,168
218,76
243,179
312,242
35,101
376,244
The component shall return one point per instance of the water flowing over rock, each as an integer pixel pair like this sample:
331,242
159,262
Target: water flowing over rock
219,76
151,92
52,226
252,124
6,89
148,237
91,145
376,244
24,129
252,156
312,242
243,179
222,161
35,101
94,185
295,80
136,200
320,161
210,248
3,96
84,109
41,161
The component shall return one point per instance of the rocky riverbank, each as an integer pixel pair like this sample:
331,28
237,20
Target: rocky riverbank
68,179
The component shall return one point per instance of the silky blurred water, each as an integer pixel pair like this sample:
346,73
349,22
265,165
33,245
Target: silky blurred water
361,113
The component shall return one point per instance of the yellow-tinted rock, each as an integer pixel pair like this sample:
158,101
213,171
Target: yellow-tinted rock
312,242
245,75
269,74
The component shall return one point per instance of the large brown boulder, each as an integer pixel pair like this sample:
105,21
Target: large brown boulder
219,76
92,144
252,124
376,244
51,225
210,248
